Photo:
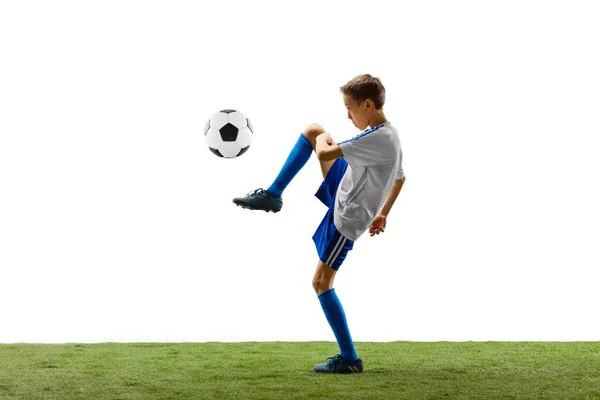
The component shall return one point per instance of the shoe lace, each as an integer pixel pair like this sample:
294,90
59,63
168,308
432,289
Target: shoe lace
331,361
255,192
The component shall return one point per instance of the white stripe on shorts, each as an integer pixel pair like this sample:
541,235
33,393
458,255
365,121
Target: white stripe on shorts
337,249
334,250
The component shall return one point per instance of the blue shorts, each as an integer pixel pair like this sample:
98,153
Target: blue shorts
332,246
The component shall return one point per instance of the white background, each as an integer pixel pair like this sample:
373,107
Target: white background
116,222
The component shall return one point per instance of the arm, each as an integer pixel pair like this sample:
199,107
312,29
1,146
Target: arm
392,195
326,149
380,220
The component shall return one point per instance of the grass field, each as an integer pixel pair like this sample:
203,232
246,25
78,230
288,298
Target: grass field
283,370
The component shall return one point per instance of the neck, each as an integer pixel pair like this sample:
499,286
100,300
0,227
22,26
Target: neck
377,119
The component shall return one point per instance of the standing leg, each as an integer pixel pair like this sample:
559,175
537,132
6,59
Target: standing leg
323,279
334,312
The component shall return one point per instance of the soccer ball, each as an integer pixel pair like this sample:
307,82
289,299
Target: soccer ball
228,133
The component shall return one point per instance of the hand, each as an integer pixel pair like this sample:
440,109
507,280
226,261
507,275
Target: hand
326,136
378,225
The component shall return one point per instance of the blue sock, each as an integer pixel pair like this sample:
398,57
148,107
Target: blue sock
337,320
294,163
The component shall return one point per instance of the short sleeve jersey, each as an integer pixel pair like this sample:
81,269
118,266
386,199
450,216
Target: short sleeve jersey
374,160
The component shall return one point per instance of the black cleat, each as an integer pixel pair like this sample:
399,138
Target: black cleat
337,365
259,199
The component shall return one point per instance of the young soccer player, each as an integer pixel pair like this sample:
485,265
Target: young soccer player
362,178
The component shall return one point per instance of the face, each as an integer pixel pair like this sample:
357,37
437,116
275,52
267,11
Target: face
358,113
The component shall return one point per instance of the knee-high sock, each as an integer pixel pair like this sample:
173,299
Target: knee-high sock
337,320
294,163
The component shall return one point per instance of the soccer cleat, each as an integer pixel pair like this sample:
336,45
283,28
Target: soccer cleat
338,365
259,199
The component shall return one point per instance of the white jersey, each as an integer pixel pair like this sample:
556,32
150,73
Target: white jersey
374,161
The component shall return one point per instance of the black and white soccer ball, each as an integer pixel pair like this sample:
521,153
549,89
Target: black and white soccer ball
228,133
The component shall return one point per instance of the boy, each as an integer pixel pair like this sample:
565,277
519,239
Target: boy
362,178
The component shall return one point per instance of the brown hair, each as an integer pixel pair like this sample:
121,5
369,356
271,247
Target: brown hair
364,87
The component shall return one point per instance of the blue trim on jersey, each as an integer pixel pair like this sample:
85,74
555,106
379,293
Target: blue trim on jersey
363,134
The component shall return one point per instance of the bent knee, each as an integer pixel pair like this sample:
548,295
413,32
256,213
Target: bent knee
313,130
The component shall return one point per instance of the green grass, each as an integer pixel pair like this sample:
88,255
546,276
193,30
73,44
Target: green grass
283,370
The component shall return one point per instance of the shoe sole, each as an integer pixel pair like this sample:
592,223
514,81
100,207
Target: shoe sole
336,372
258,209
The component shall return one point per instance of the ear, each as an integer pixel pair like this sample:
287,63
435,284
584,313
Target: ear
369,104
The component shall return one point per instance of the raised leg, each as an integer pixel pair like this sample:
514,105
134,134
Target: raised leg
311,132
270,199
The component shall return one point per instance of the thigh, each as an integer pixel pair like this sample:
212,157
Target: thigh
325,167
333,176
331,245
